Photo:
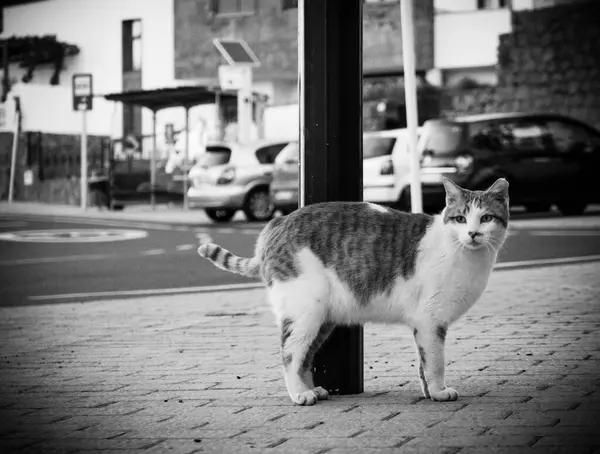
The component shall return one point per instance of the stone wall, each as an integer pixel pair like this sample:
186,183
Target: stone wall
54,160
272,34
550,62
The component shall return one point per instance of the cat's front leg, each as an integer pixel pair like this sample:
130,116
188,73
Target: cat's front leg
429,341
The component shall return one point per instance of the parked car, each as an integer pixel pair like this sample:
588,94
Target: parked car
547,158
386,171
229,177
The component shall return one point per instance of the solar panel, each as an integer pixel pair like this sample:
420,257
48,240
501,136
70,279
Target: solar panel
236,52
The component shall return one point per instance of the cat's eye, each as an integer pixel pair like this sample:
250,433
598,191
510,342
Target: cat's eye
486,218
460,219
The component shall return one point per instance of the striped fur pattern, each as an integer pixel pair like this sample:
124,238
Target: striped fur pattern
346,263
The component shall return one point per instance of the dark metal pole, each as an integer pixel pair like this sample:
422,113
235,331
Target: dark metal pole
330,76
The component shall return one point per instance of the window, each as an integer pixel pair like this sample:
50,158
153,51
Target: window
572,137
491,4
527,136
214,156
234,6
289,4
267,155
132,45
373,147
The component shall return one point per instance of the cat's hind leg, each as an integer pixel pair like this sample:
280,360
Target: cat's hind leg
301,316
429,341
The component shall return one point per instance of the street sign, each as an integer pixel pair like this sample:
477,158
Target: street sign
82,92
236,52
235,77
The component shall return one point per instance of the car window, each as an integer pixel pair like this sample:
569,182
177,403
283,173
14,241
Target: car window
290,153
374,147
526,136
571,137
215,156
440,137
267,155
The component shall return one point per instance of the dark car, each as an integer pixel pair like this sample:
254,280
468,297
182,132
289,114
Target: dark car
547,158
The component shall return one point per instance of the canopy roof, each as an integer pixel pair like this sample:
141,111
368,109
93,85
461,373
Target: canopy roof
164,98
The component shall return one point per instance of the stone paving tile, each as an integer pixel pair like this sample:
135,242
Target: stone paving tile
156,374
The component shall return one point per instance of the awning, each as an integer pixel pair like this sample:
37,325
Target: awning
163,98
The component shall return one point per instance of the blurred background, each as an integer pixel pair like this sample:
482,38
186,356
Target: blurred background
186,143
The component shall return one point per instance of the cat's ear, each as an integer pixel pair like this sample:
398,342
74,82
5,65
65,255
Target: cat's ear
499,189
453,192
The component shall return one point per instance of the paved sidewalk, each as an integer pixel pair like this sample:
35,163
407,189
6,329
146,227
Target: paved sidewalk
176,215
200,373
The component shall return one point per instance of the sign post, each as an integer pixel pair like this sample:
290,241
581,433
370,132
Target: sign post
410,94
82,102
237,75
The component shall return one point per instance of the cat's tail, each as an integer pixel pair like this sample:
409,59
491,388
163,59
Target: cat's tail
222,258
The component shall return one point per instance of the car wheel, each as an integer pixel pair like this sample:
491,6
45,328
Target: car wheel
572,208
538,207
219,215
259,206
118,207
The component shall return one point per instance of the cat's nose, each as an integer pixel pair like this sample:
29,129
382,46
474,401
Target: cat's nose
474,234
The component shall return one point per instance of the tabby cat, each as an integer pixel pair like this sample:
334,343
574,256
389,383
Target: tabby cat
344,263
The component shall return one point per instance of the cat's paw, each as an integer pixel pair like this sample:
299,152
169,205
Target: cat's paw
305,398
443,395
321,393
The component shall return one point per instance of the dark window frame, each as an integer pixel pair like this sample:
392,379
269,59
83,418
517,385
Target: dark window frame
216,9
129,38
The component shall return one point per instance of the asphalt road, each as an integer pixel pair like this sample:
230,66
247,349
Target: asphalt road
64,262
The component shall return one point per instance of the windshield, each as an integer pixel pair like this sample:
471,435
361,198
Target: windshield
374,147
440,137
214,156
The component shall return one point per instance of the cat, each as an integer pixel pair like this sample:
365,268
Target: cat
347,263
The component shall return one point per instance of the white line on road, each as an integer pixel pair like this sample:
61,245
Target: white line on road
542,262
169,291
153,252
185,247
203,238
250,286
565,232
68,258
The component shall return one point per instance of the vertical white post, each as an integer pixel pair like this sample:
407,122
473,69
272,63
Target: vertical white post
153,163
244,105
410,93
13,159
186,167
84,161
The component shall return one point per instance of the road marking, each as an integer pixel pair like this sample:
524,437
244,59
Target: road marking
203,238
565,232
166,291
93,221
67,258
153,252
72,235
186,247
251,286
543,262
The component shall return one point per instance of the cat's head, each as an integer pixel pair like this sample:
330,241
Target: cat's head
477,219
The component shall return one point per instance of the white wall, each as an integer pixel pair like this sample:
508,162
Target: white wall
95,27
469,39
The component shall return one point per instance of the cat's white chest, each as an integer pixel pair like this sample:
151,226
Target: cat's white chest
449,284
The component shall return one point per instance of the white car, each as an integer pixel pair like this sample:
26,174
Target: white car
229,177
386,167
